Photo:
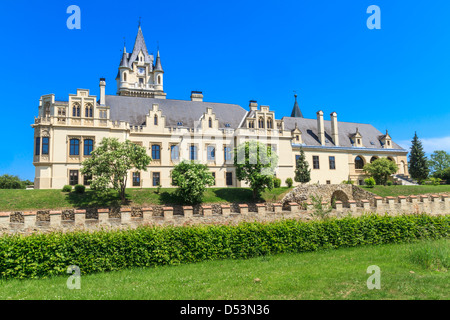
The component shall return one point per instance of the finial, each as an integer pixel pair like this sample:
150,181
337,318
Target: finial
295,94
139,22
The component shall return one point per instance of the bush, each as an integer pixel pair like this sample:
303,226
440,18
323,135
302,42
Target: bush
276,182
348,182
44,255
370,182
389,183
79,188
289,182
12,182
67,188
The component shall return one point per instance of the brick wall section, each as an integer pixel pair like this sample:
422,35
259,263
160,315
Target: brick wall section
65,220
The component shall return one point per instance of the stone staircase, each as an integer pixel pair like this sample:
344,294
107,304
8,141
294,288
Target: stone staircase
404,180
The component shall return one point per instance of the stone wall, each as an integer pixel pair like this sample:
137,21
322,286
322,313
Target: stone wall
28,222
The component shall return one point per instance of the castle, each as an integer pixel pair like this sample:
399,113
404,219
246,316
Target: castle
66,132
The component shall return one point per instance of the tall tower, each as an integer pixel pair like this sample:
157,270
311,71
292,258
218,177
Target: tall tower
138,76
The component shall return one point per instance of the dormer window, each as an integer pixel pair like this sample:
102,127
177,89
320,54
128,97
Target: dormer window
210,122
155,120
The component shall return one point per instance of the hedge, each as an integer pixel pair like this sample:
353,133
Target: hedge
44,255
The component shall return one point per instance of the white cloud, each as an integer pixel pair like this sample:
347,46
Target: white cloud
429,144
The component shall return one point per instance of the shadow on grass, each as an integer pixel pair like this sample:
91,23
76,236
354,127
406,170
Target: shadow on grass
238,195
170,198
92,199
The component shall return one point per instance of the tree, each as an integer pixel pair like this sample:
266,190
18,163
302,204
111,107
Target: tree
191,179
110,162
418,168
255,164
302,171
8,181
381,169
439,161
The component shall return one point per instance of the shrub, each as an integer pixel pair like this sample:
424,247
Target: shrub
289,182
276,182
67,188
44,255
79,188
389,183
349,181
370,182
12,182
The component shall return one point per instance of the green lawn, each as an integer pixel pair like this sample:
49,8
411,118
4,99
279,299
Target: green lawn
394,191
11,200
408,271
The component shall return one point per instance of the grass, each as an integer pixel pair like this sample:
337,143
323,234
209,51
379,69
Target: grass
16,200
394,191
327,274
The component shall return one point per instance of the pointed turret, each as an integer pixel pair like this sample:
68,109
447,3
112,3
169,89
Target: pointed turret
296,113
124,61
139,45
158,66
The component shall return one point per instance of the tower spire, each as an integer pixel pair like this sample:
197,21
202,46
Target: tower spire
296,113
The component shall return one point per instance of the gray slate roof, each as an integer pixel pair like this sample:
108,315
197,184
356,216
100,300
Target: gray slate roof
135,109
308,127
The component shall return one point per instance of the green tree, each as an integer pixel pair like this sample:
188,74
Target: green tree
8,181
418,167
302,170
381,169
255,164
439,161
191,178
110,162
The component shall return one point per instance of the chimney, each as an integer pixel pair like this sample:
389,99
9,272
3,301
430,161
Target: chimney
102,91
320,127
196,96
253,105
334,128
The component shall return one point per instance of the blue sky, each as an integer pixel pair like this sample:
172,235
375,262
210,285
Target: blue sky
396,78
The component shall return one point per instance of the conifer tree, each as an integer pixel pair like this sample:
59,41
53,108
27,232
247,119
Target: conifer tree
302,171
418,167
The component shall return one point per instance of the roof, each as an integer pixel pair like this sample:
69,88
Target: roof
296,110
308,127
135,109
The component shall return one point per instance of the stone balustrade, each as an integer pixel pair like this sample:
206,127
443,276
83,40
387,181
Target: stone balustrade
33,221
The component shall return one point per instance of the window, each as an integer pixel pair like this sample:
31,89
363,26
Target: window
359,163
297,157
229,178
74,147
155,120
211,150
159,79
251,124
73,177
261,122
136,179
45,145
328,182
156,152
87,180
297,137
76,110
359,141
227,153
88,111
141,80
389,143
373,159
193,153
210,122
38,146
125,76
88,146
316,162
174,152
269,123
332,161
156,179
62,112
214,177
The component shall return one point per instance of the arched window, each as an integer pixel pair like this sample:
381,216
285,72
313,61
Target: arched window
251,124
74,147
269,123
88,146
76,110
261,122
155,120
88,111
159,79
210,122
125,76
389,158
373,159
359,162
